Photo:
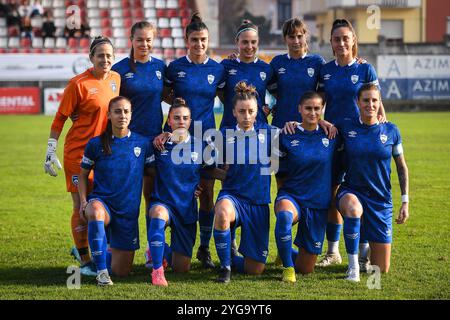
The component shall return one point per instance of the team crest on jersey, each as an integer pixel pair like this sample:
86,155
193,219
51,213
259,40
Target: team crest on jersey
75,180
261,138
383,138
137,151
263,76
194,156
355,78
158,74
113,86
211,78
232,72
310,72
325,142
327,76
181,74
129,75
295,143
281,71
352,134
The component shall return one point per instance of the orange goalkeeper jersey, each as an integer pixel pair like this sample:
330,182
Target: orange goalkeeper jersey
88,97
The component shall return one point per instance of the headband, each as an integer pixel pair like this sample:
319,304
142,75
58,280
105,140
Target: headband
246,29
103,41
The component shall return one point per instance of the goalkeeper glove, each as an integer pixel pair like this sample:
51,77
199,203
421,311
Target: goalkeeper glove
51,159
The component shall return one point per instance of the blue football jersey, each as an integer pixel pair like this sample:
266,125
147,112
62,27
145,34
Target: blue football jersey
178,175
368,151
341,85
293,77
308,163
197,85
248,157
118,177
144,88
257,73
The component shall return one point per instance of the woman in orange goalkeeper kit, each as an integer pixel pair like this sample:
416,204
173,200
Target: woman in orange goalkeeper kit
86,95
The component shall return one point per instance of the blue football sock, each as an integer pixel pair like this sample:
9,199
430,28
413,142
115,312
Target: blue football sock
238,264
223,246
283,236
97,242
333,231
206,220
156,240
351,234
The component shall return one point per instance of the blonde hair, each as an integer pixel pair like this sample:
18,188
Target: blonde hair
244,91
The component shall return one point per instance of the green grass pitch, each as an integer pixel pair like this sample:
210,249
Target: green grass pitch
35,235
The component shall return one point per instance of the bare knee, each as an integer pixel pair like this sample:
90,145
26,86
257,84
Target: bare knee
305,270
95,212
222,216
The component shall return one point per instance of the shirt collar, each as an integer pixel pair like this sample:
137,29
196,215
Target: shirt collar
302,57
254,61
240,130
349,65
360,121
128,135
149,60
204,62
303,129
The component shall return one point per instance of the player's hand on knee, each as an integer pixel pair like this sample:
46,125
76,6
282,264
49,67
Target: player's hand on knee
51,159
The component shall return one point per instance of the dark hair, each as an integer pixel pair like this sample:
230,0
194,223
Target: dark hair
139,26
344,23
310,95
98,41
291,25
196,24
178,103
106,136
244,91
245,26
367,87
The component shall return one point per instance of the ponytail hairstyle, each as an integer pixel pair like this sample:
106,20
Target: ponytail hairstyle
99,40
344,23
292,25
106,136
196,24
246,25
139,26
243,92
178,103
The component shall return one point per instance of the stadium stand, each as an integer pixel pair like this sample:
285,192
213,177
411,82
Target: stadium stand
49,31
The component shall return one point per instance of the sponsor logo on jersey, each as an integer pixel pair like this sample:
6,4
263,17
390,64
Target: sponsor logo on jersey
230,140
261,138
164,152
264,253
281,71
137,151
354,78
194,156
158,74
327,76
211,78
310,72
129,75
113,86
75,180
232,72
383,138
92,90
135,241
318,245
352,134
295,143
150,159
181,74
263,76
325,142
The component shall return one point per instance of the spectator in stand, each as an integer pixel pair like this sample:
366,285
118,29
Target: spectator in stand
48,27
13,16
25,9
36,9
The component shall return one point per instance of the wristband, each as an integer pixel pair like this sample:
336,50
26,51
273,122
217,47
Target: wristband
405,198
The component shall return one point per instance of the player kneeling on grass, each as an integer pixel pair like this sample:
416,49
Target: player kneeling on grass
174,199
364,198
118,158
305,194
245,195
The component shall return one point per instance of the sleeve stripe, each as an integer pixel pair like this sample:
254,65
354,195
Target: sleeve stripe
150,159
397,150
